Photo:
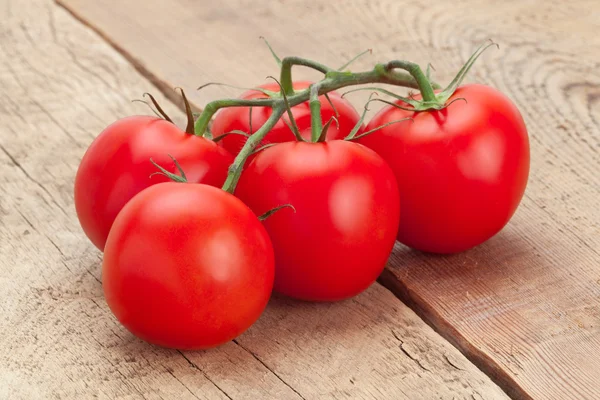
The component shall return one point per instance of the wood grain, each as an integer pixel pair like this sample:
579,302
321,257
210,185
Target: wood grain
526,305
61,86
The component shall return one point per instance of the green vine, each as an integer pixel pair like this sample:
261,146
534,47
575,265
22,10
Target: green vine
395,72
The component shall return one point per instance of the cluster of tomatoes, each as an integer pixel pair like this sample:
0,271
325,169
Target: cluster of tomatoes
190,266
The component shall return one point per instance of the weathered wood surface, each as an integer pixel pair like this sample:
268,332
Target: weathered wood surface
526,305
61,85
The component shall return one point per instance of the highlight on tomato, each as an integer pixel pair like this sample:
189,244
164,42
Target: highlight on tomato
187,266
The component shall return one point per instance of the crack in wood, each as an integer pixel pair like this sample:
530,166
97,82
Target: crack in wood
407,353
20,167
179,380
54,244
269,368
66,266
193,365
451,363
28,221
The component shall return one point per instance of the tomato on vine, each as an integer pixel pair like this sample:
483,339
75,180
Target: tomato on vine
117,166
347,211
461,164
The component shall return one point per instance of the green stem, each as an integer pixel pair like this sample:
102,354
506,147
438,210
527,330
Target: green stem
315,113
211,108
286,71
334,80
286,98
416,72
235,170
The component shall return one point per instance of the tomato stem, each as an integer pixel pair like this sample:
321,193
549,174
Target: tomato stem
292,124
416,72
286,71
386,73
235,170
315,113
211,108
334,80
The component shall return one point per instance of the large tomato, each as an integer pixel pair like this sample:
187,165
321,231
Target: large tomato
187,266
237,118
117,166
461,171
347,210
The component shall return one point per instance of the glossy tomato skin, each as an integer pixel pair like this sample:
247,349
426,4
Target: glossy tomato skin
117,166
187,266
347,210
237,118
461,171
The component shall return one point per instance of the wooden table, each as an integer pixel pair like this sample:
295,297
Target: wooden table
518,316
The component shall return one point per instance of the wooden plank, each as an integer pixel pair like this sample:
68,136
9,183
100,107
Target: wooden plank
525,306
61,85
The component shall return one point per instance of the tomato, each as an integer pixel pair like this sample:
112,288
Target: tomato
237,118
187,266
117,166
347,211
461,171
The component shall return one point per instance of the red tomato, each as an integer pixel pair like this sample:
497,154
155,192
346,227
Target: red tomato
187,266
236,118
347,211
117,166
461,171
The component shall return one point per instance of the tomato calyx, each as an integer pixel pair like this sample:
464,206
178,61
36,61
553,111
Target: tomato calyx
352,135
451,88
164,172
274,210
233,132
159,112
263,147
189,129
430,99
323,134
275,56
